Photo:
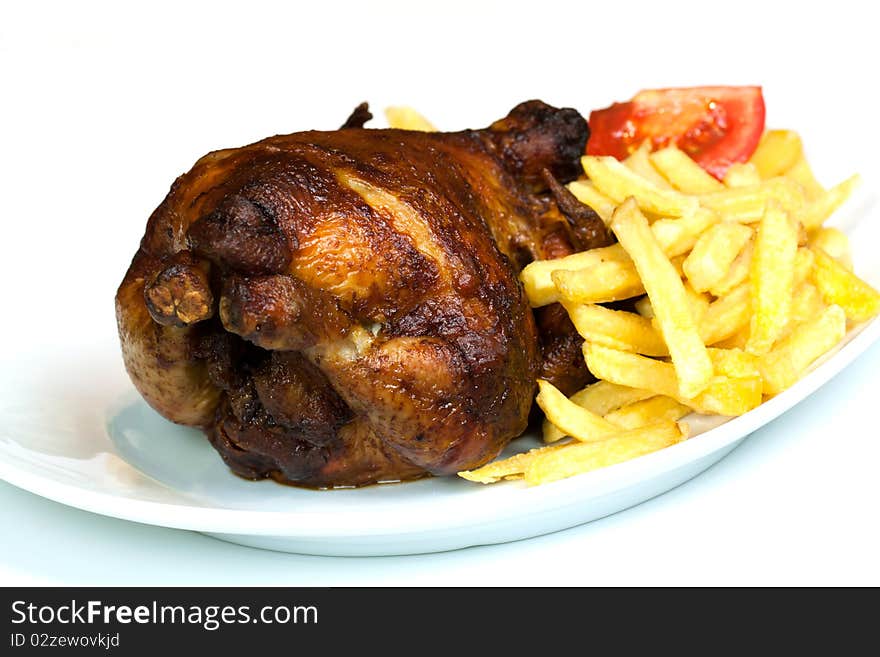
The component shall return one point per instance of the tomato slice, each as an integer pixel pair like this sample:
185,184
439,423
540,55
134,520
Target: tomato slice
716,126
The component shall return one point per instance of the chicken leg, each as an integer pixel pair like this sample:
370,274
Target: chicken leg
341,308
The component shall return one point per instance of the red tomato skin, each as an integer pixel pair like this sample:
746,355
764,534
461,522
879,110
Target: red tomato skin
612,131
716,126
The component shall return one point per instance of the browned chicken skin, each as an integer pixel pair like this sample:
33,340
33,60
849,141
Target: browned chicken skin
341,308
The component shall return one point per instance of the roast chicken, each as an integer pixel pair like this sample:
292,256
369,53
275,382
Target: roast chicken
341,308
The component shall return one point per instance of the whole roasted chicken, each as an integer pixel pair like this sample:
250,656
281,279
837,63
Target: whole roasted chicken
342,308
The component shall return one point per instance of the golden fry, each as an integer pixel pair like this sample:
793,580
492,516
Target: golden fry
668,298
777,152
723,395
600,398
714,253
772,279
815,214
727,315
685,175
406,118
788,360
613,179
631,370
640,163
840,287
507,468
734,363
698,302
835,243
648,411
603,397
607,281
806,304
576,421
747,204
643,307
617,329
803,265
537,278
730,396
623,446
742,174
677,236
736,341
737,273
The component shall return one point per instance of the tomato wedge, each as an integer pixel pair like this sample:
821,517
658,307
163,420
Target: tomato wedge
716,126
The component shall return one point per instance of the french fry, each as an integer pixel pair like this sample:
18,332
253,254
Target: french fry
648,411
698,302
685,175
603,397
617,182
730,396
818,211
550,432
576,421
599,398
607,281
508,468
406,118
640,162
841,287
576,459
736,341
586,192
806,303
777,152
678,236
747,204
743,204
537,278
631,370
727,315
723,395
803,265
737,273
714,253
678,264
668,298
643,307
835,243
772,279
787,361
742,174
734,363
617,329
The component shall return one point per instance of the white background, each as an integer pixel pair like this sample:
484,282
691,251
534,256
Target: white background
101,106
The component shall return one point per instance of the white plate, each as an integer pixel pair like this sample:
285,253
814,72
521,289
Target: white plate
75,431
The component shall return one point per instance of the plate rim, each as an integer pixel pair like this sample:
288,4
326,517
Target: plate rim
516,500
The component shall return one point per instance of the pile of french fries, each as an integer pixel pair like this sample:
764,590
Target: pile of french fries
737,287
